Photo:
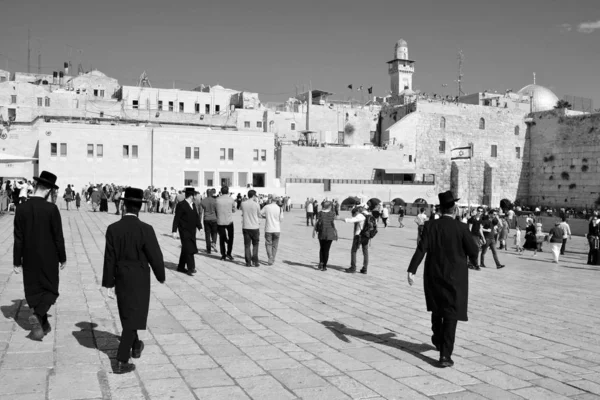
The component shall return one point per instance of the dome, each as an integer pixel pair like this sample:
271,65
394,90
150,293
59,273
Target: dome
401,43
543,99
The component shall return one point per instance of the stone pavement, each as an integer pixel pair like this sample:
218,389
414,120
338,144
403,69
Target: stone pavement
290,331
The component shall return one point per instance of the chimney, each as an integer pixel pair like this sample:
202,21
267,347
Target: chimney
54,76
66,65
61,77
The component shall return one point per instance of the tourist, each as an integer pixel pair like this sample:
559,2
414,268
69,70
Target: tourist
540,237
172,199
489,233
327,233
77,200
156,200
23,188
273,215
401,217
420,220
39,249
511,219
225,207
566,234
593,240
95,198
104,199
504,230
309,206
68,196
131,250
376,209
4,197
530,243
555,237
474,225
447,244
209,216
518,239
359,216
186,221
164,201
251,228
385,214
238,201
117,199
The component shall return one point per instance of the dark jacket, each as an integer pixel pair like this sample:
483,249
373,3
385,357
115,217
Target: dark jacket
39,247
131,247
447,244
325,226
187,220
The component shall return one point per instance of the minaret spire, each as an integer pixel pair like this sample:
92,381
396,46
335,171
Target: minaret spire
534,78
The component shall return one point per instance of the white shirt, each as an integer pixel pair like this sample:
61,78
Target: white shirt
359,222
309,207
566,229
385,213
273,215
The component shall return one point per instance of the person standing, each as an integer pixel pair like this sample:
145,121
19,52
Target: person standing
593,238
420,220
447,243
273,215
359,216
385,214
251,228
556,237
309,212
474,225
401,217
186,221
325,228
77,200
117,199
225,207
39,250
68,196
131,250
208,207
564,225
489,233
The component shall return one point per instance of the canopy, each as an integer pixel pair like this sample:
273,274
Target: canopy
351,200
374,201
10,158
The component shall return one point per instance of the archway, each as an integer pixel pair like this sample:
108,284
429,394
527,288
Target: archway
420,201
399,202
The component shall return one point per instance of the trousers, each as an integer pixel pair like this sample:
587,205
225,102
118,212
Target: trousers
129,340
225,237
271,244
556,250
491,244
210,234
186,259
359,241
251,238
563,247
444,334
324,247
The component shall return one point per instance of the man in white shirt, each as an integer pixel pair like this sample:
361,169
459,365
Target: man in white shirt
359,214
566,234
420,221
273,214
251,228
309,212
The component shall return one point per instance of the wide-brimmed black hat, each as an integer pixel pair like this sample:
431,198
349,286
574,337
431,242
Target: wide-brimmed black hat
447,199
189,191
47,179
134,194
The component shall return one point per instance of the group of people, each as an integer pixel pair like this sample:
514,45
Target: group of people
14,192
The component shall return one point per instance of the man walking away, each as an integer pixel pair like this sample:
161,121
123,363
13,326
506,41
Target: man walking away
209,212
564,225
273,216
131,250
39,249
164,204
489,233
556,239
474,225
401,217
447,243
310,213
224,209
420,221
186,221
251,228
385,214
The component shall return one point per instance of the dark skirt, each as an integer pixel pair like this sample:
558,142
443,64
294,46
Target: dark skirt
103,205
530,242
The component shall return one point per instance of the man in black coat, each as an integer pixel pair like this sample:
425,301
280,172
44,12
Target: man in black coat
131,246
447,243
187,220
39,248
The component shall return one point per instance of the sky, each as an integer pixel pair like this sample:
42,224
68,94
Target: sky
275,47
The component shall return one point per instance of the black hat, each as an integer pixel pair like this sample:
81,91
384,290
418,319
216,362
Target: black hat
447,199
47,179
134,194
189,191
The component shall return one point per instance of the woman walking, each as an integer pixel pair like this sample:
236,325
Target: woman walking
593,239
104,200
325,228
68,196
504,231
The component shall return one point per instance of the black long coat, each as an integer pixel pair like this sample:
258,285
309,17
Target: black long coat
130,246
39,247
187,220
447,243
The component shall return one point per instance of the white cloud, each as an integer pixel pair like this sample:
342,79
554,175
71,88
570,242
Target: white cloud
565,27
588,27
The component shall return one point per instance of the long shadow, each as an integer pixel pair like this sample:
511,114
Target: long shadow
314,267
583,268
342,332
12,312
104,341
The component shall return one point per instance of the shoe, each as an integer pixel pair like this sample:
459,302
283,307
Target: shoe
476,268
446,361
500,266
223,258
270,263
482,266
350,270
229,257
123,367
256,265
37,333
46,328
363,271
191,272
182,270
248,265
320,266
324,268
136,352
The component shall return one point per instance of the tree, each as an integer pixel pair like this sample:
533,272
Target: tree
562,104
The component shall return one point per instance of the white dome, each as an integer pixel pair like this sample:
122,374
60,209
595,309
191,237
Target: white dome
543,99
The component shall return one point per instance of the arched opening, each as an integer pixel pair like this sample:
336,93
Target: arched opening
443,123
420,201
481,123
399,202
517,129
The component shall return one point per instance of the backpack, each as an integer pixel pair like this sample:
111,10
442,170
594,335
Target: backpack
165,195
369,229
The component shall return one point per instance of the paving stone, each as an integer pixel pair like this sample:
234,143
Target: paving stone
297,378
321,393
492,392
193,361
264,387
500,379
221,393
431,386
74,385
17,381
352,387
199,378
538,393
174,388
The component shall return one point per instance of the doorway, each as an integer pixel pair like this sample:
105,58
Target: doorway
258,180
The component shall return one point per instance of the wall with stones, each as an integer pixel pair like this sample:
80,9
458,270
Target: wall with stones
565,160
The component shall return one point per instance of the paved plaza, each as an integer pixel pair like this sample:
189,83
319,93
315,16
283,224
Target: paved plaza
290,331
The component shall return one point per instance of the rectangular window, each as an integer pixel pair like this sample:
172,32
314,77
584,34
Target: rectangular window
53,149
134,151
196,153
160,105
170,106
263,155
259,124
188,153
255,154
102,93
207,109
197,108
222,154
47,102
96,92
230,154
518,152
410,158
40,101
2,79
442,146
217,109
293,127
181,106
90,150
63,149
246,124
341,137
125,151
99,150
494,150
13,99
135,104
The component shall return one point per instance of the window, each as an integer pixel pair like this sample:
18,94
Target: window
230,154
99,150
102,93
517,129
40,101
181,106
196,153
259,124
96,92
255,154
13,99
494,150
63,149
207,109
263,155
197,108
125,151
481,123
410,158
518,152
90,150
443,123
246,124
222,154
2,79
53,149
293,127
160,105
217,109
188,153
341,137
134,151
47,102
170,106
135,104
442,146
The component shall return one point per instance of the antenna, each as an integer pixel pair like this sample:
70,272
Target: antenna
534,78
144,81
461,59
28,50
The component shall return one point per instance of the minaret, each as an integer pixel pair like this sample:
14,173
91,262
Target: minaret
400,69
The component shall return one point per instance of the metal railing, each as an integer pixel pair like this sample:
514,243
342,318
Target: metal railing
355,181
